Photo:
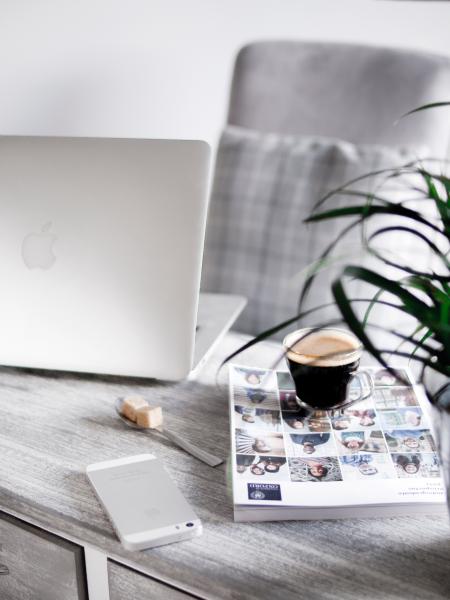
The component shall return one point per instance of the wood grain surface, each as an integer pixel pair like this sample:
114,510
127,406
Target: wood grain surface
128,584
41,565
54,424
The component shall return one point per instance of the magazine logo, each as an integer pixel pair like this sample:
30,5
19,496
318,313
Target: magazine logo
264,491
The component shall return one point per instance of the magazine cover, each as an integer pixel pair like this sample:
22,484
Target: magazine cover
378,452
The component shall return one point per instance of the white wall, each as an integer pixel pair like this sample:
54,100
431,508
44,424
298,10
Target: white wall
161,68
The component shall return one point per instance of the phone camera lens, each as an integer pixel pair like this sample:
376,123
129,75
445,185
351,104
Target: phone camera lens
189,524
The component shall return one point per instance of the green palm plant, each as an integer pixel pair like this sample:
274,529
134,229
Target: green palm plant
423,295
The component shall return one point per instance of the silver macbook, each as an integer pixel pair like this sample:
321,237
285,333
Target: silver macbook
101,243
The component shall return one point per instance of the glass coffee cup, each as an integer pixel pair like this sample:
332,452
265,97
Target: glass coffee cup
324,366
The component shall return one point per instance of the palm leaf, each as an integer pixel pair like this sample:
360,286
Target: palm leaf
374,302
389,172
367,211
425,336
424,107
414,232
415,307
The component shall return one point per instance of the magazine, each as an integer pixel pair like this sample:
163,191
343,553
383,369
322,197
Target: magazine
376,457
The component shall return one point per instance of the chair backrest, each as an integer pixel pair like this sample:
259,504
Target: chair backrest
352,92
337,91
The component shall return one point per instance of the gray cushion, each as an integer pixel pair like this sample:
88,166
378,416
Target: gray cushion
353,92
257,244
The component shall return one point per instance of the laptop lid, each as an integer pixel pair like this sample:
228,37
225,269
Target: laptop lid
100,253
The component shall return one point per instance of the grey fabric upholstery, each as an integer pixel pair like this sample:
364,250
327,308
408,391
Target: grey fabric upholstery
351,92
257,244
348,92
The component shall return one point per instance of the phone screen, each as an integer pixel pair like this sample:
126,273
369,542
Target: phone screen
140,496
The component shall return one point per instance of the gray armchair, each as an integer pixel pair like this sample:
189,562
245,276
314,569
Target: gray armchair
274,160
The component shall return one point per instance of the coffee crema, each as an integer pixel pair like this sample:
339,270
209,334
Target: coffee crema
322,348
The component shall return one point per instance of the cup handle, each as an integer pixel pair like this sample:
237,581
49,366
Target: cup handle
366,385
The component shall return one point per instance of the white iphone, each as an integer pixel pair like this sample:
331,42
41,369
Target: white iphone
145,507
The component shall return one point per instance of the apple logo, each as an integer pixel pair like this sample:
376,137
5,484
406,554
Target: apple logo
37,248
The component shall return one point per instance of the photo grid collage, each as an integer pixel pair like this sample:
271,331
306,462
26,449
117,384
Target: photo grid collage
384,437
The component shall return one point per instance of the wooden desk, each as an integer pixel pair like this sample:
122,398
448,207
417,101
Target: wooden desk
54,424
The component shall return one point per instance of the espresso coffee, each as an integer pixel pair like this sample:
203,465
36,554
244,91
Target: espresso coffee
322,364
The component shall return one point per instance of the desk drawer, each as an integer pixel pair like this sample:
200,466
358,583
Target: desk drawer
38,565
126,584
